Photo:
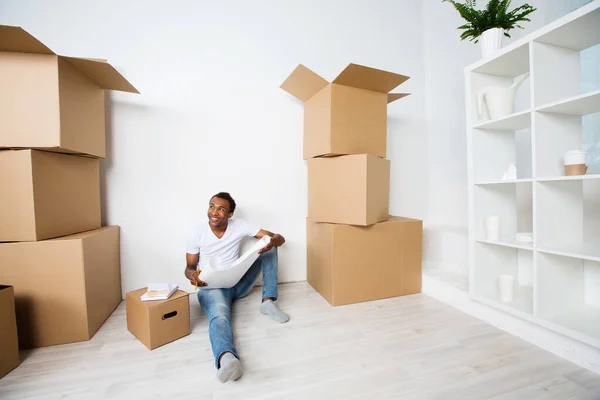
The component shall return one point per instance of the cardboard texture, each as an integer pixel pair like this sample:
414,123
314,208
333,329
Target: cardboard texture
52,102
348,115
156,323
575,169
65,288
352,189
9,345
45,195
350,264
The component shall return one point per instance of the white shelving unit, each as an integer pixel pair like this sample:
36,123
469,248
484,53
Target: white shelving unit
558,275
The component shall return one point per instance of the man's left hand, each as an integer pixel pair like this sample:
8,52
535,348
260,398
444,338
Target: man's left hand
268,247
275,239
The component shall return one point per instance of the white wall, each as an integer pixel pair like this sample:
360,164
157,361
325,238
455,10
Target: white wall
211,115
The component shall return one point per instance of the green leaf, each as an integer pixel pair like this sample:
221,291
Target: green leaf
495,15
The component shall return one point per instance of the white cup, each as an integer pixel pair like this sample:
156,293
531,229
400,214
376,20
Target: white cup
575,157
492,228
506,284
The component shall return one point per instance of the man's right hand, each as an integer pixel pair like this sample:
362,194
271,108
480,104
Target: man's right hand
194,280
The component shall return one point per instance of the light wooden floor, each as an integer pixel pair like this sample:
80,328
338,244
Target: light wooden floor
411,347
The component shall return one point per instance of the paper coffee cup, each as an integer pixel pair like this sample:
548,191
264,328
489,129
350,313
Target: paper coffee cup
575,169
506,284
492,228
575,157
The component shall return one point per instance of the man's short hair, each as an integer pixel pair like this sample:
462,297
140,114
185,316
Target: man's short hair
226,196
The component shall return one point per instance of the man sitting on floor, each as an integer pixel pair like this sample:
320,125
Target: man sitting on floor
221,237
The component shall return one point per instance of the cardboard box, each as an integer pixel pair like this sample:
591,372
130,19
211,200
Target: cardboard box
45,195
65,288
158,322
9,345
52,102
350,264
352,189
348,115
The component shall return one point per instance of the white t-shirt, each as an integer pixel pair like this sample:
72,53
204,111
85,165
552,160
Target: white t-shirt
202,240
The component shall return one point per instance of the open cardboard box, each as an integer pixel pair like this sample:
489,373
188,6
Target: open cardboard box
52,102
348,115
65,288
45,195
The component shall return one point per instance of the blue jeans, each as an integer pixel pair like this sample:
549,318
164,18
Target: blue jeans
216,303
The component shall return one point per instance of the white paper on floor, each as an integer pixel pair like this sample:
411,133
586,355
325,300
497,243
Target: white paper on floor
217,277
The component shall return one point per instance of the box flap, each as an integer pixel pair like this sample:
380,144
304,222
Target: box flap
303,83
102,73
395,96
368,78
16,39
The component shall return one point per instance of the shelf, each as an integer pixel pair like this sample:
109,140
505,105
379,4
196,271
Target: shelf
504,181
557,277
495,151
578,34
568,178
508,62
568,218
515,244
555,135
584,320
494,260
522,301
513,122
568,293
584,251
582,104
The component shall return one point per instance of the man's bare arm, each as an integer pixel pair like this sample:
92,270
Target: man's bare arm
190,269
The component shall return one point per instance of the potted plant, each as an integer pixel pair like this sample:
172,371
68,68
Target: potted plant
491,23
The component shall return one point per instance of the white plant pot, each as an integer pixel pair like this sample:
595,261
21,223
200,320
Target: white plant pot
491,41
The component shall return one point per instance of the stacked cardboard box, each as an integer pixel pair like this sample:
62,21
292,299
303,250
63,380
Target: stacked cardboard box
355,250
9,346
64,266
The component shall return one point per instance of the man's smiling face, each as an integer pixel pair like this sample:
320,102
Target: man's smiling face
218,212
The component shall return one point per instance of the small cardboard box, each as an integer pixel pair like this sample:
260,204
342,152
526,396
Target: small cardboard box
348,115
352,189
45,195
158,322
351,264
52,102
9,344
65,288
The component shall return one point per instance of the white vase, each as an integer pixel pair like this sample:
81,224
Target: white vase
492,228
506,285
491,40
